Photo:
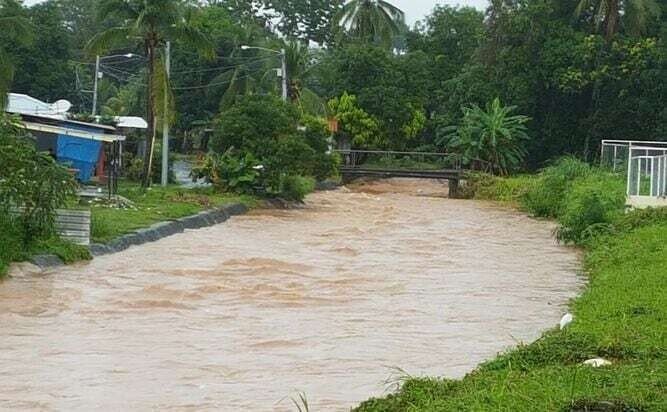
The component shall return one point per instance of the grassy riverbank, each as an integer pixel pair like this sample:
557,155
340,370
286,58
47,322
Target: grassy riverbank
620,317
145,208
155,205
13,249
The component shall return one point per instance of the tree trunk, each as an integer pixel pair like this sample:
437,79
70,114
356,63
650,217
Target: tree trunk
612,19
150,110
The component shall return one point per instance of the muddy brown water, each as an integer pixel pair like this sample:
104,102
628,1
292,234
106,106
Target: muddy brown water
328,300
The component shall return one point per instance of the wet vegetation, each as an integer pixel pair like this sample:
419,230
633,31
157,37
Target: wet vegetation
143,208
620,317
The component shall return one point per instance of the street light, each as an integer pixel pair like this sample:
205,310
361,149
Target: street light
283,61
98,60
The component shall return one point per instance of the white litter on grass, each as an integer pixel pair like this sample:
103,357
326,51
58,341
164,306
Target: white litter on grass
597,362
566,320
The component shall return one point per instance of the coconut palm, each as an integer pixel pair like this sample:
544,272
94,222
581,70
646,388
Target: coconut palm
148,25
607,14
15,29
300,62
375,20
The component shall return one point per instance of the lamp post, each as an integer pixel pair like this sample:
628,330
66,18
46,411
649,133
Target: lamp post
98,74
283,60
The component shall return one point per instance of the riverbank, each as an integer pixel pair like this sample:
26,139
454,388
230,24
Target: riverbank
140,210
620,317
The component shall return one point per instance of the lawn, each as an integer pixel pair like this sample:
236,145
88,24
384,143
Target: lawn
621,317
155,205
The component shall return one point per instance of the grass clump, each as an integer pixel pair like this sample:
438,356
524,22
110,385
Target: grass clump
13,247
296,187
591,204
546,198
484,186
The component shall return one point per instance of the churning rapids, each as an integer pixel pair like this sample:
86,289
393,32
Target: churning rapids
327,300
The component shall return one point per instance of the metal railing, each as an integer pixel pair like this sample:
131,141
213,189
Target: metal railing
378,159
614,154
647,174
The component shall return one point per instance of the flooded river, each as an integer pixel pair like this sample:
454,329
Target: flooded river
327,300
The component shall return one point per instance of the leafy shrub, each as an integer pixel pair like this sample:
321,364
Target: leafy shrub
134,166
11,246
229,172
263,133
489,187
547,197
32,181
294,187
590,206
252,123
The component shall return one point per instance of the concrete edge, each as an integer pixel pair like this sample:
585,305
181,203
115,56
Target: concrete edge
165,229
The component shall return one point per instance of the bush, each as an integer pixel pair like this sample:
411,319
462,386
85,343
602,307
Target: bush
229,172
134,166
252,123
294,187
546,198
32,181
590,206
267,131
489,187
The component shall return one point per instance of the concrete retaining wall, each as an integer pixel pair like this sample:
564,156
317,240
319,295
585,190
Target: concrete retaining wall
153,233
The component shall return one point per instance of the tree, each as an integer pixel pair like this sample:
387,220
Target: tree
46,70
492,138
355,125
15,29
148,25
609,14
376,21
309,21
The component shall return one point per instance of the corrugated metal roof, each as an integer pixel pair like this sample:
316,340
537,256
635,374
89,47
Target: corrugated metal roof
48,128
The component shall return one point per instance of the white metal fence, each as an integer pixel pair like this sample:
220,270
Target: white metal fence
646,167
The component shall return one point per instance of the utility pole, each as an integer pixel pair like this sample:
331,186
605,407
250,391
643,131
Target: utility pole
97,76
283,58
165,119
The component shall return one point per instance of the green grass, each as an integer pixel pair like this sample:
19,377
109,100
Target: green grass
622,317
13,249
155,205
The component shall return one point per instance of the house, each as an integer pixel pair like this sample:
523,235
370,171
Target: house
92,150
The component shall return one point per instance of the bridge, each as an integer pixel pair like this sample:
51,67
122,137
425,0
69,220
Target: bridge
390,164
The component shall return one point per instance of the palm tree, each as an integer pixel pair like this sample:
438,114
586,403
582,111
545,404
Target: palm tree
375,20
300,62
15,30
148,25
607,14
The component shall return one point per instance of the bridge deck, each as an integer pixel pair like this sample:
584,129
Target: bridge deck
446,174
454,176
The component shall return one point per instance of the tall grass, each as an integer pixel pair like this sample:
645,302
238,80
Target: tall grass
547,196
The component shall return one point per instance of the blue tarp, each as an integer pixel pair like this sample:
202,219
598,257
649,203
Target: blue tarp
81,154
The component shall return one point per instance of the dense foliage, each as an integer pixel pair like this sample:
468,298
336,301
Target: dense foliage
263,144
492,139
32,184
581,70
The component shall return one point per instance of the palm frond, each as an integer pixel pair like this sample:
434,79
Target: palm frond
115,37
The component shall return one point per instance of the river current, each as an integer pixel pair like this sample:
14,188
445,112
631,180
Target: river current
334,300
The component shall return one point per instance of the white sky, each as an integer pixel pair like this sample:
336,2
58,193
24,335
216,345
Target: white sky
414,9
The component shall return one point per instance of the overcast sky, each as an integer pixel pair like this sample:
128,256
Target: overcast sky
414,9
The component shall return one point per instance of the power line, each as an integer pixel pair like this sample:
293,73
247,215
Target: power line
224,67
213,84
